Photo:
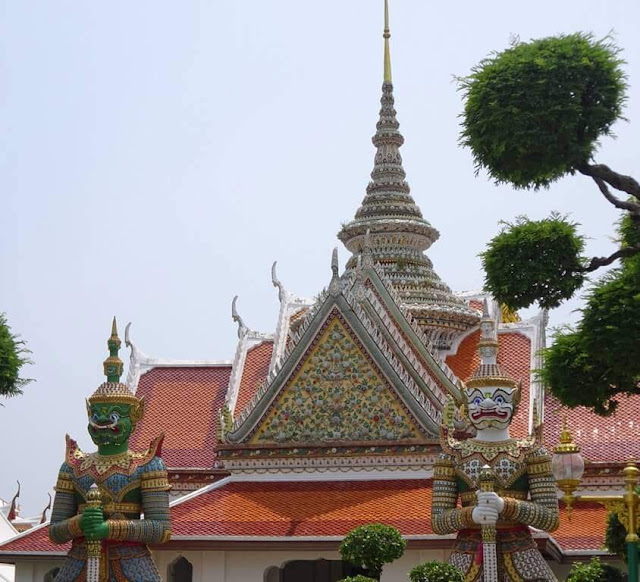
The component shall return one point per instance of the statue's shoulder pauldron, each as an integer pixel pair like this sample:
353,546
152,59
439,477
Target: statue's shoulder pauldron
450,445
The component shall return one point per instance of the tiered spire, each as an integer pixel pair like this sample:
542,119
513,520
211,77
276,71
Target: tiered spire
399,234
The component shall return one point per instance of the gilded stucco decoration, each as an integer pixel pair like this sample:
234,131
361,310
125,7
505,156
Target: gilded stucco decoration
336,394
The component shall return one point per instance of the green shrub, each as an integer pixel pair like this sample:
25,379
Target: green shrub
435,572
372,546
358,578
595,571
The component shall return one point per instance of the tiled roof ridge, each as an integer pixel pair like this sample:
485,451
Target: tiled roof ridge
140,363
422,336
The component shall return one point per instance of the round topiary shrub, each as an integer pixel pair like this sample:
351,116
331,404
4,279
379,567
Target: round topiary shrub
435,572
595,571
372,546
358,578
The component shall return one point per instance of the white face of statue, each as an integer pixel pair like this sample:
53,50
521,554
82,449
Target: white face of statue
491,407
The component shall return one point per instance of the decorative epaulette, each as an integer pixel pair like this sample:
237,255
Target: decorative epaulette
101,467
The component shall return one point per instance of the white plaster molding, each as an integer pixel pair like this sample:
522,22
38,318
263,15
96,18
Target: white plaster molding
289,304
201,491
247,339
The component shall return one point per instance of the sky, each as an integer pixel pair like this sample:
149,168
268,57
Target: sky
158,156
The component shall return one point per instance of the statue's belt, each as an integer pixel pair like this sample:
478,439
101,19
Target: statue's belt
114,507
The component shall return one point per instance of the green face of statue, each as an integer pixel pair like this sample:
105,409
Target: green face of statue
110,424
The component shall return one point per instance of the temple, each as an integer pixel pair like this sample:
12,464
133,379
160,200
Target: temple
332,420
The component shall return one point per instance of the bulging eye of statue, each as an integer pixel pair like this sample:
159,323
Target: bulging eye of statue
499,400
114,417
94,417
477,400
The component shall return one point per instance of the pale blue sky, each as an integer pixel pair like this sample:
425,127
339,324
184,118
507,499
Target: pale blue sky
158,156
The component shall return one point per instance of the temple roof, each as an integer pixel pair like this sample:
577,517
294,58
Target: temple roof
230,511
184,403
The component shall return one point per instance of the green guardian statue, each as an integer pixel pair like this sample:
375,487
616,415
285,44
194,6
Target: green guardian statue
109,538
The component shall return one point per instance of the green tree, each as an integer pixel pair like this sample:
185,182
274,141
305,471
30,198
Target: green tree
435,572
533,114
13,355
372,546
357,578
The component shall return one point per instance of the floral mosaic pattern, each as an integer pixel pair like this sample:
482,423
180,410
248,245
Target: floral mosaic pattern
336,395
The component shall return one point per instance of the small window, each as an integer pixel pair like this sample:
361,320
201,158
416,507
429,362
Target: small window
180,570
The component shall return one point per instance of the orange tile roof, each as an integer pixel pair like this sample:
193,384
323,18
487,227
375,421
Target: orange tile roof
184,403
34,540
256,367
321,508
614,438
585,530
303,508
514,354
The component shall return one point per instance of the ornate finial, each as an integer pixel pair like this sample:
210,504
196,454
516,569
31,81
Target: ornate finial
13,509
334,286
276,283
242,328
386,35
485,309
43,518
113,365
566,440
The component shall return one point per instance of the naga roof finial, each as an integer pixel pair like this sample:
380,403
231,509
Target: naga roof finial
13,509
242,328
276,283
113,365
386,35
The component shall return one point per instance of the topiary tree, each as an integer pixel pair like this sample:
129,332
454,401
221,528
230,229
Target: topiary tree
533,114
435,572
372,546
13,355
595,571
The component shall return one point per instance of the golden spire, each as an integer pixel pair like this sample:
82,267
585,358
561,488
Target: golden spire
386,35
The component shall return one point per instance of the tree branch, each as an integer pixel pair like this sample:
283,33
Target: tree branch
632,207
597,262
618,181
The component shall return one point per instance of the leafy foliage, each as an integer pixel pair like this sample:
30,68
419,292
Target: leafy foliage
13,355
615,536
358,578
595,571
600,359
435,572
534,261
534,112
372,546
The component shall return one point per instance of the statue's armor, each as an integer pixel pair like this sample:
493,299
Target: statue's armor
130,484
523,479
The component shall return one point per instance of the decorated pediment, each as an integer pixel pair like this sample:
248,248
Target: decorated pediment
336,393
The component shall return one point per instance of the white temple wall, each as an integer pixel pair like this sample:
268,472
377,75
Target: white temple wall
250,566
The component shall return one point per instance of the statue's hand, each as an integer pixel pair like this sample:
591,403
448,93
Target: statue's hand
484,515
491,499
93,524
